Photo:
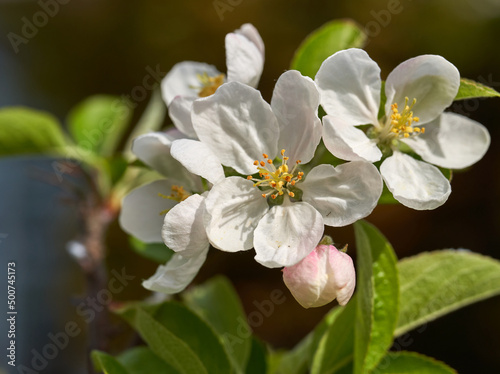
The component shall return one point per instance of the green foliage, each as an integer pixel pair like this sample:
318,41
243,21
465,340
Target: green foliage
107,364
29,131
470,89
218,304
325,41
164,343
378,291
98,123
433,284
257,363
412,363
157,252
141,360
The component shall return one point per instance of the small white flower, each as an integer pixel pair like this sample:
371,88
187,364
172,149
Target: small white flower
276,211
417,91
189,80
169,206
324,275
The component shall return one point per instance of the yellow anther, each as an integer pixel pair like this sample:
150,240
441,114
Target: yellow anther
273,196
401,124
298,162
209,84
263,195
291,194
249,177
256,162
262,163
265,155
269,161
282,152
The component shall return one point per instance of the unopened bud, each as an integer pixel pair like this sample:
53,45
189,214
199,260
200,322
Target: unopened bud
324,275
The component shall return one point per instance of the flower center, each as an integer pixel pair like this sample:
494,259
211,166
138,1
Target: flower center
277,180
178,193
209,84
402,123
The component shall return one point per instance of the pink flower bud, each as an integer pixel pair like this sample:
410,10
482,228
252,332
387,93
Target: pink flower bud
324,275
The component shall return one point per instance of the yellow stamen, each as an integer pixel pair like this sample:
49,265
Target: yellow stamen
402,123
209,84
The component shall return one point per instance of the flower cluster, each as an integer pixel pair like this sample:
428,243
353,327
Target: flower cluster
241,172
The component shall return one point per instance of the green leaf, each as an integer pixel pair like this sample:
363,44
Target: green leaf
325,41
28,131
163,342
218,304
257,363
433,284
141,360
98,123
196,333
157,252
107,364
336,346
377,296
151,120
470,89
412,363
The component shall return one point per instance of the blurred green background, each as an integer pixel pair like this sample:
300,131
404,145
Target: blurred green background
87,47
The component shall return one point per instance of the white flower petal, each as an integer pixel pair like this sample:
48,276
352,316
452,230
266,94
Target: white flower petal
343,194
233,210
237,124
198,159
415,184
287,234
183,230
253,35
295,103
154,150
451,141
179,111
244,56
349,83
176,275
182,79
430,79
348,142
140,214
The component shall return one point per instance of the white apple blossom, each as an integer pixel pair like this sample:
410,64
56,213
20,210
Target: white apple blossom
169,205
281,210
324,275
189,80
417,92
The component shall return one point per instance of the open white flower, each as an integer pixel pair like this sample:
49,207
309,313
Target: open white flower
189,80
324,275
417,91
170,205
281,210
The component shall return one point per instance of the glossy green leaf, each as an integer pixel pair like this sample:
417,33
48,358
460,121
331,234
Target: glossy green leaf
98,123
257,363
107,364
377,296
196,333
325,41
29,131
411,363
218,304
157,252
165,344
141,360
433,284
336,346
470,89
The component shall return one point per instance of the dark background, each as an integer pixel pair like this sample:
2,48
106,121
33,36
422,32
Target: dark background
89,47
